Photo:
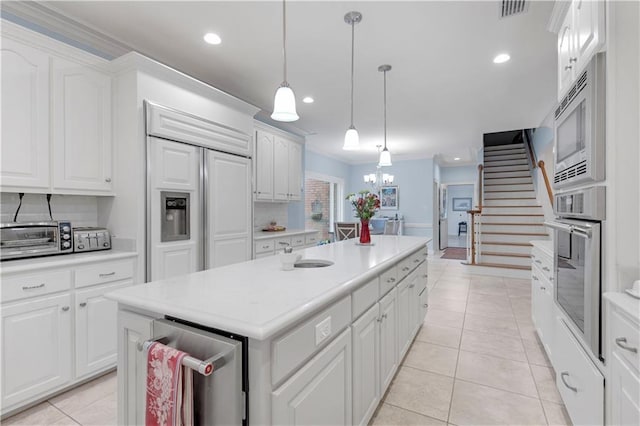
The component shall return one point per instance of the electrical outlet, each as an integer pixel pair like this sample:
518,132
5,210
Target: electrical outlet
323,330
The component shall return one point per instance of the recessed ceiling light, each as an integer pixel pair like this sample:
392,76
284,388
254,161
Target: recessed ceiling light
457,159
212,38
501,58
307,100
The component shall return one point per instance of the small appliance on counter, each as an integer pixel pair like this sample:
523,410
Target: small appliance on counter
91,239
19,240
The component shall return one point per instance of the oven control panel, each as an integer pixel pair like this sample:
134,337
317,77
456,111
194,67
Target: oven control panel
66,237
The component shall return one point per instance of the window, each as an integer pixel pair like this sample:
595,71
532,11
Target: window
323,204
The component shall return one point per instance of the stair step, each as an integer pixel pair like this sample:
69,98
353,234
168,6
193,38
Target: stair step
502,157
520,255
511,218
511,187
500,265
515,248
501,147
506,202
505,152
505,168
509,195
509,237
489,181
505,260
511,210
506,163
499,175
516,228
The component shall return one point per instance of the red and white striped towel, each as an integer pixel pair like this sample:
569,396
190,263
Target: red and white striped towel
169,388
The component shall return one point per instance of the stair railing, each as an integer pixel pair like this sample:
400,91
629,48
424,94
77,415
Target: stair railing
546,181
473,237
531,154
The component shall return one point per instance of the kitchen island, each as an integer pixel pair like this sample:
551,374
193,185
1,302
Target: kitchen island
320,345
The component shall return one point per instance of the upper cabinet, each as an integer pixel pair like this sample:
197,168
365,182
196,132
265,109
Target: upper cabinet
278,164
581,35
56,116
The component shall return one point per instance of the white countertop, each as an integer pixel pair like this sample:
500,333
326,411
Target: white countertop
257,299
625,302
58,261
262,235
544,245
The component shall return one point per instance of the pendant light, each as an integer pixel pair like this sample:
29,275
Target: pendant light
385,155
284,103
351,137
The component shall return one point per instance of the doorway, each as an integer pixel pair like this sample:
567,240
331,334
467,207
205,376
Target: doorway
323,204
456,200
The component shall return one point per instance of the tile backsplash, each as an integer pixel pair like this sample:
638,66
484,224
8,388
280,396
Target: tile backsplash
80,210
264,213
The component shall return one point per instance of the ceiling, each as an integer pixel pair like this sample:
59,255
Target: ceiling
443,92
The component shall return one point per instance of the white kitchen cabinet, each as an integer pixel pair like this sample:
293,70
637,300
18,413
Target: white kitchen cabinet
36,347
278,166
415,288
580,37
81,123
543,310
366,365
264,165
96,326
624,385
388,339
25,118
404,327
320,392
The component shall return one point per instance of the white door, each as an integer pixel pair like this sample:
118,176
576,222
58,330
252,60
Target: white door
566,62
175,168
25,117
228,211
366,365
388,340
264,165
295,171
587,16
281,169
415,288
320,392
96,328
81,121
444,234
36,347
403,317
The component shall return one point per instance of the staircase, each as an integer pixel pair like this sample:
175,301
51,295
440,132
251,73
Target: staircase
511,215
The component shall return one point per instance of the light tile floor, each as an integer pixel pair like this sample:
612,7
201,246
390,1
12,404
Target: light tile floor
476,361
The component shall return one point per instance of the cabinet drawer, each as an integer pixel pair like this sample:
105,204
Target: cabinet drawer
103,273
293,348
364,297
404,267
297,240
580,383
311,239
388,280
624,339
23,286
281,243
264,246
542,261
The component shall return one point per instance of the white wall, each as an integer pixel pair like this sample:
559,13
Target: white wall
264,213
79,210
457,191
543,140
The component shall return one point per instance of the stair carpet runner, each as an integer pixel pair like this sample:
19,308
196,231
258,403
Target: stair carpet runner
511,216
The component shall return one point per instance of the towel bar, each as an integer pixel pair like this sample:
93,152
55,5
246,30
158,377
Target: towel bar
205,367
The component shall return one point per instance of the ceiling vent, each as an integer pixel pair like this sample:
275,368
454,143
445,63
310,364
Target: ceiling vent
513,7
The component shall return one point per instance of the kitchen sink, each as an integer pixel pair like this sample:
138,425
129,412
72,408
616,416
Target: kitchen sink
312,263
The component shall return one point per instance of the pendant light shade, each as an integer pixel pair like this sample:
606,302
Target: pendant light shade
351,137
284,103
385,155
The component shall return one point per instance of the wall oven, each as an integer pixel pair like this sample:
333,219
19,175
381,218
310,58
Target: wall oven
580,129
577,262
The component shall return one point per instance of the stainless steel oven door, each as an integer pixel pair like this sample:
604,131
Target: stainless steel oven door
577,277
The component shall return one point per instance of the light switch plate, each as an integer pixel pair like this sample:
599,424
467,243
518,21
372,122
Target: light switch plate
323,330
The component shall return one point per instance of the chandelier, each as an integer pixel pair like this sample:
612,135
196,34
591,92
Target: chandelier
378,179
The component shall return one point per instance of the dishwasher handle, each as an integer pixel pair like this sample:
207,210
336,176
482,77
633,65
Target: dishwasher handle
205,367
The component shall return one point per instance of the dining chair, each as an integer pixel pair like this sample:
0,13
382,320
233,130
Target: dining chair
346,230
391,227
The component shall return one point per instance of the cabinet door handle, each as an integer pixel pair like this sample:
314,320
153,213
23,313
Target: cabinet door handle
544,268
425,305
379,319
391,280
32,287
542,288
538,261
406,268
65,308
620,341
572,60
416,260
568,67
83,304
412,286
424,276
535,278
109,274
384,316
108,180
562,377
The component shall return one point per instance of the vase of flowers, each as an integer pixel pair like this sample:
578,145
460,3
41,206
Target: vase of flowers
365,205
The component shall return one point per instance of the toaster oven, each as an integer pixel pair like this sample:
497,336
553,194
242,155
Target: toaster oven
19,240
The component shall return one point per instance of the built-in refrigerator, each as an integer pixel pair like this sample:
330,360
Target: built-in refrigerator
199,209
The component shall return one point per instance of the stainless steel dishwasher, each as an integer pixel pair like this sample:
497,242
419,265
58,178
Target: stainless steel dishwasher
220,376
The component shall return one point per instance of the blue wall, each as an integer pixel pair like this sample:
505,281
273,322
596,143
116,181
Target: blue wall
459,174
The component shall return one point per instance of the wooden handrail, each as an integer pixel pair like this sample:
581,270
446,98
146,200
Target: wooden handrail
480,169
546,181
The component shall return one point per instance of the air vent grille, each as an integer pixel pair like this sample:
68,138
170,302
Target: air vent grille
513,7
571,172
572,93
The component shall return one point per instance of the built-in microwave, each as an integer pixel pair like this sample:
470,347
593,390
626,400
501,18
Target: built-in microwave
580,129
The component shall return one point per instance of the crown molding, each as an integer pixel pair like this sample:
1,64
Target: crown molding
39,17
560,9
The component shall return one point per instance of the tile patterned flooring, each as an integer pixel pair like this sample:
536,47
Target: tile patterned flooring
476,361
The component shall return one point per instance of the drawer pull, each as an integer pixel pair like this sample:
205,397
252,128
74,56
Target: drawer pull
539,261
265,247
406,268
83,304
424,276
620,341
384,316
379,319
562,377
416,260
412,285
542,288
535,278
544,268
391,280
106,275
426,305
65,308
32,287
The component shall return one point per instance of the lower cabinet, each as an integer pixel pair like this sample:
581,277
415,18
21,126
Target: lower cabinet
36,347
404,303
543,310
96,331
366,365
320,392
388,339
625,393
